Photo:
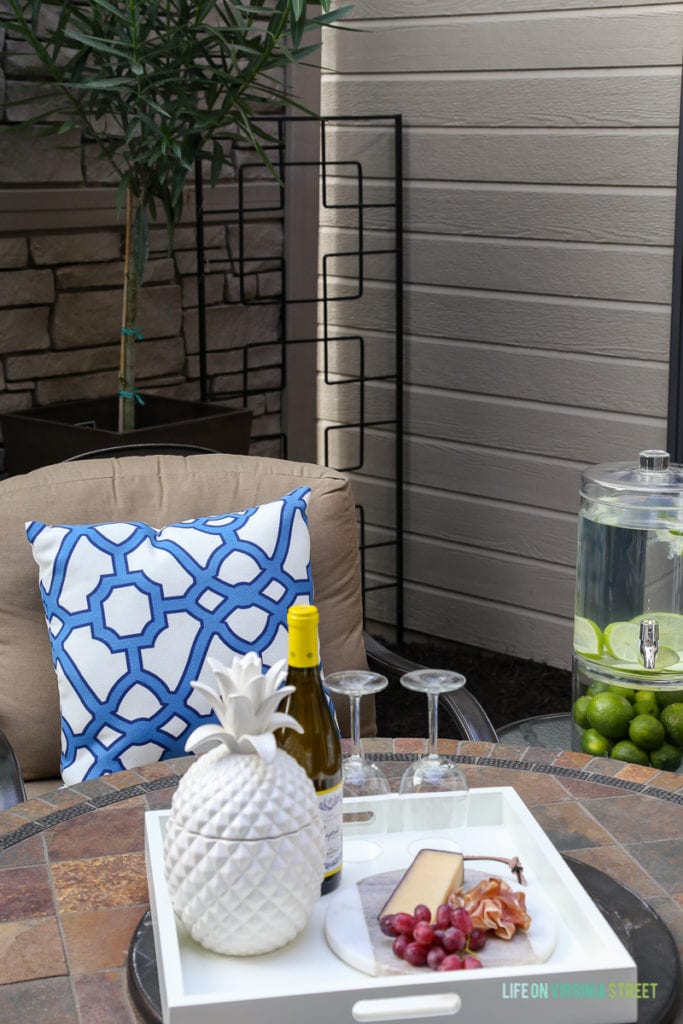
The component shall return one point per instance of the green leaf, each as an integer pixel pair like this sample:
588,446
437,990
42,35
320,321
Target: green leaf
92,42
297,31
299,55
334,16
102,83
110,8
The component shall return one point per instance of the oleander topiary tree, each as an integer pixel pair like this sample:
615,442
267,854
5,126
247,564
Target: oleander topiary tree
156,85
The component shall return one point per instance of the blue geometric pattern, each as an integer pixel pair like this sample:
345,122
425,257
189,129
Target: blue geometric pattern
134,612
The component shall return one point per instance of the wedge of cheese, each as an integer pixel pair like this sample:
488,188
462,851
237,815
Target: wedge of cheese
430,879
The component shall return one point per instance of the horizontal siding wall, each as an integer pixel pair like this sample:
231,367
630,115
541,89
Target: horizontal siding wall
540,157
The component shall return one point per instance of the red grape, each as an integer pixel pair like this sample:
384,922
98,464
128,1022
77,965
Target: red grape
453,940
419,942
443,916
416,954
435,956
424,933
422,913
386,925
450,963
461,919
477,939
404,923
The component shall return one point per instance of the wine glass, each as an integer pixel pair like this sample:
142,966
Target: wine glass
362,777
434,773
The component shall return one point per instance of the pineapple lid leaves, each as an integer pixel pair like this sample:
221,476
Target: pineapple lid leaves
245,705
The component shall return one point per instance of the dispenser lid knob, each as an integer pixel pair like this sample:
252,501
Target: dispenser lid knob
654,459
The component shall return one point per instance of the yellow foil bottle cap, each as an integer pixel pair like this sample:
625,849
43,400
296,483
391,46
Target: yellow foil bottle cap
302,621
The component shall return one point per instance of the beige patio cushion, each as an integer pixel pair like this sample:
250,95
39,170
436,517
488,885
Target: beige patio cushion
158,490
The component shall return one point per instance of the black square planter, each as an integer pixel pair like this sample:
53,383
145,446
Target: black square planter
47,434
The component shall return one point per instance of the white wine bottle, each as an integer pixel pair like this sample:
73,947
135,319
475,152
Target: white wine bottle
318,748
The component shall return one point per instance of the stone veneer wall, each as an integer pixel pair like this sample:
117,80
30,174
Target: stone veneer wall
61,275
60,298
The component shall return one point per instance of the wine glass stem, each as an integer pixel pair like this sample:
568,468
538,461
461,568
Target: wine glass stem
433,702
355,725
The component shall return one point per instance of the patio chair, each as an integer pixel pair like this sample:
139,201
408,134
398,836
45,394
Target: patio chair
158,490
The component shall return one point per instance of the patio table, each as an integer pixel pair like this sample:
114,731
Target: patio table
73,883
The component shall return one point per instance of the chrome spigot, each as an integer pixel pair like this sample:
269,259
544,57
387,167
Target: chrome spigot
649,641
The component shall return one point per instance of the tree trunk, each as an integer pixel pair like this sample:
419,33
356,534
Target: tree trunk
129,330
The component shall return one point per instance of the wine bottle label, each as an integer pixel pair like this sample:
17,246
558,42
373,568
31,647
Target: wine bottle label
330,804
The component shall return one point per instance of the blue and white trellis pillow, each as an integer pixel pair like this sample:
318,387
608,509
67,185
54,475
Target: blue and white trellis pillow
134,612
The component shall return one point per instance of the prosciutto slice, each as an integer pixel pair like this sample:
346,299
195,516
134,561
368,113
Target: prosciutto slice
494,906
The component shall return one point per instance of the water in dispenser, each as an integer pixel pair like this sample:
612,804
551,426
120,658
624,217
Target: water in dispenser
628,624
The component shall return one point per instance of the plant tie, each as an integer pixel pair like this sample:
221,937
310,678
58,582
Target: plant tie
133,394
134,332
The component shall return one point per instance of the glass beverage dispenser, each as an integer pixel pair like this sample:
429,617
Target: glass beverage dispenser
628,624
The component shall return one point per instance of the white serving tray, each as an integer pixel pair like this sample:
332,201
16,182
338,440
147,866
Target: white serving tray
306,982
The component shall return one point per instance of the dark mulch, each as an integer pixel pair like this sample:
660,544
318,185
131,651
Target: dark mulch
508,688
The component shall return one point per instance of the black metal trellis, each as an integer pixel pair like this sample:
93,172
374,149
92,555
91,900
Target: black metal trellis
675,417
268,356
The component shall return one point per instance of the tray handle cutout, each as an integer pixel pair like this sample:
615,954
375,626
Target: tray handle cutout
445,1004
365,818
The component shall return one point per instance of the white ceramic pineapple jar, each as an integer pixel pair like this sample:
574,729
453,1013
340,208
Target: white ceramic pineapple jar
244,846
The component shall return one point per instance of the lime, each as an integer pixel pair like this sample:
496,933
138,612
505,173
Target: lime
646,732
625,750
593,743
670,628
596,688
666,659
647,698
622,641
579,711
666,697
587,637
624,691
667,758
672,720
644,707
610,714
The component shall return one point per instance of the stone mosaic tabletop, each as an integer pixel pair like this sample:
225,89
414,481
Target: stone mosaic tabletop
72,867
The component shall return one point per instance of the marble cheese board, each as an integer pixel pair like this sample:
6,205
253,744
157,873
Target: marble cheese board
308,980
352,930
